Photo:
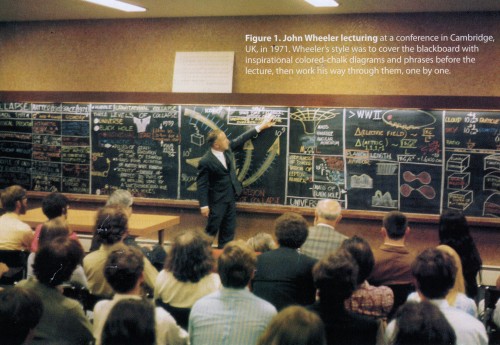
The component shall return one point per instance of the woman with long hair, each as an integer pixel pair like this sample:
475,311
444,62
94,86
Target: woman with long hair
454,232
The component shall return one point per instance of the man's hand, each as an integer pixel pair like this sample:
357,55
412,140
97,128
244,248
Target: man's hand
205,211
267,122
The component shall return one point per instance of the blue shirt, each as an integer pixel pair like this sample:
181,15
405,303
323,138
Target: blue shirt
229,317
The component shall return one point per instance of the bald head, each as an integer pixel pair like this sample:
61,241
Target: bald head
328,211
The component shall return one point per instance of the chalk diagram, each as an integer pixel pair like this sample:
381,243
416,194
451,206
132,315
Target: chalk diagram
329,169
142,123
459,181
491,182
386,169
197,118
408,119
424,178
311,117
380,199
363,181
383,200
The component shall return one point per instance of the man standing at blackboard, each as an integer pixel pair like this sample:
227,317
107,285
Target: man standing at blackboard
218,185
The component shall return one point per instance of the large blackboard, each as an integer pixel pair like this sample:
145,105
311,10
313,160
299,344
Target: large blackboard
414,160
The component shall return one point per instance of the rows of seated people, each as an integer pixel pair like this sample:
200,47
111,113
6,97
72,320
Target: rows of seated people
314,286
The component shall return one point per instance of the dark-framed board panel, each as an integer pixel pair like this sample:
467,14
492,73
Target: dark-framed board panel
416,154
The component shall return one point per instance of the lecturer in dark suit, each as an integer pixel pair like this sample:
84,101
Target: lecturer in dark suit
218,185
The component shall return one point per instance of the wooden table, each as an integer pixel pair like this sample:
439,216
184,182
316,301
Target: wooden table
139,224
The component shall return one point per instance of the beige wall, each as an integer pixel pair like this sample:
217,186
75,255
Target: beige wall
138,55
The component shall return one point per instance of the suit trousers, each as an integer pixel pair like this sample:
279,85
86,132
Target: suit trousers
222,219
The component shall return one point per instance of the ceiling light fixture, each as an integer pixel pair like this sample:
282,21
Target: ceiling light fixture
323,3
118,5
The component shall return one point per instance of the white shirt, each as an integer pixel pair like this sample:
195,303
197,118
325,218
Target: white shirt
184,294
220,156
468,329
14,234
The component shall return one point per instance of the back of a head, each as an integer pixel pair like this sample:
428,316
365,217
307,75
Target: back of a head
294,325
395,223
10,196
124,266
422,324
434,272
236,264
52,229
328,209
56,261
111,224
190,257
360,250
335,276
453,227
130,322
120,197
54,205
291,230
20,311
261,242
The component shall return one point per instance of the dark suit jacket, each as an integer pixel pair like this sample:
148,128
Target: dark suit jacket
216,183
345,328
284,277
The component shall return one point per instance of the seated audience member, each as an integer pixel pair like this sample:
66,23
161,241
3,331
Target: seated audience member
14,234
284,275
124,199
454,232
481,306
434,273
335,277
262,242
393,259
3,269
63,320
232,315
323,238
20,312
130,322
422,324
55,228
111,227
124,271
366,299
456,296
294,325
54,205
187,276
496,313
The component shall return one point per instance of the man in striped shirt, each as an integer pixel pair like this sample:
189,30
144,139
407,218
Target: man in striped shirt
232,315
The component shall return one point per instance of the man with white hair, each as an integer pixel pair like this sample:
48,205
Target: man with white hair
323,238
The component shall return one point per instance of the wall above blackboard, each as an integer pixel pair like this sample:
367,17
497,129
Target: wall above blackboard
375,154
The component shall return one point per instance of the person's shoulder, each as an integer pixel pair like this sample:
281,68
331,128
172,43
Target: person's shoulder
101,306
365,322
162,317
461,318
264,306
207,299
